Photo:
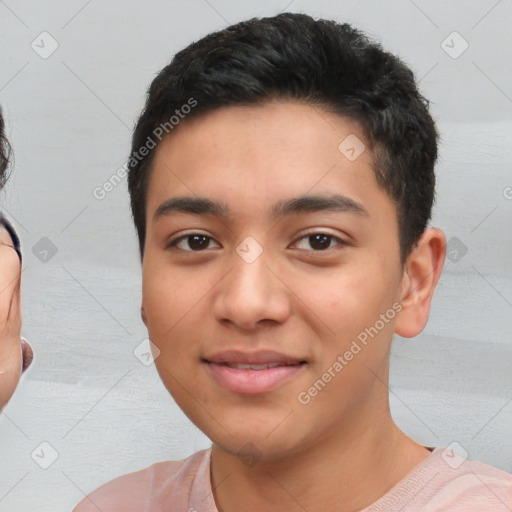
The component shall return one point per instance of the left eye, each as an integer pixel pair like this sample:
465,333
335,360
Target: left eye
320,241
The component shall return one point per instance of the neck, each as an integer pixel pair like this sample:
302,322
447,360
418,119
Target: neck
347,471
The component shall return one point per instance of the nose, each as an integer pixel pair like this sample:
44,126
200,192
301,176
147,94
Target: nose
250,294
27,352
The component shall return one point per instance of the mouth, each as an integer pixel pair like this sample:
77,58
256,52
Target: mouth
253,374
256,367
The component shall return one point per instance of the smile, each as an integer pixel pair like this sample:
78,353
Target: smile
253,379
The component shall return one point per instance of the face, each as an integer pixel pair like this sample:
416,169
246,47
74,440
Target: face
15,353
258,297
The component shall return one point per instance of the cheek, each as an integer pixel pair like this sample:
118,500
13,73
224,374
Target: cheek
10,366
349,298
167,298
173,313
351,303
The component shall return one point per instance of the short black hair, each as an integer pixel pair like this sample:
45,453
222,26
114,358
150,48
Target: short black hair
320,62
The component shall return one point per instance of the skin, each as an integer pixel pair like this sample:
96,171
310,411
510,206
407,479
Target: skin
301,302
15,353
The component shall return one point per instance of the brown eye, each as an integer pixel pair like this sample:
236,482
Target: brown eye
319,241
195,242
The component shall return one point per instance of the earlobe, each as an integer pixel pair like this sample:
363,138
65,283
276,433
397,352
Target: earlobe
422,271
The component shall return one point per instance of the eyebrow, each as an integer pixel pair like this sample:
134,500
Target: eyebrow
283,208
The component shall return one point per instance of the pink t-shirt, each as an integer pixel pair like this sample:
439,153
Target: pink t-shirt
441,482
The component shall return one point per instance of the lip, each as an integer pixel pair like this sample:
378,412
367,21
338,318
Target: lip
250,381
259,357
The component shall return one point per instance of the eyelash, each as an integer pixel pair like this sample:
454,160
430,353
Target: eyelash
173,243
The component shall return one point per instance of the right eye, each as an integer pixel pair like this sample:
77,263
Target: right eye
193,242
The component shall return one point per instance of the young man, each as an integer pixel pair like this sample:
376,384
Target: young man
281,181
15,352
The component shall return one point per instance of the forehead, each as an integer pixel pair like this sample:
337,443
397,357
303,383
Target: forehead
258,155
279,130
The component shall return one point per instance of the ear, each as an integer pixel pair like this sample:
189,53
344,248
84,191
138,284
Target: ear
422,271
143,314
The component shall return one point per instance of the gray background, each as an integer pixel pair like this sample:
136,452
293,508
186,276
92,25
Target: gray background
70,116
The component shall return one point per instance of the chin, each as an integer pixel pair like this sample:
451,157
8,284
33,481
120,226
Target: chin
265,443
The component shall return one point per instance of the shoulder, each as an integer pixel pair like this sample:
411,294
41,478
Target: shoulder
476,485
446,482
149,489
456,484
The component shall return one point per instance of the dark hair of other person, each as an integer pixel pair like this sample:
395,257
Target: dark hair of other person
5,155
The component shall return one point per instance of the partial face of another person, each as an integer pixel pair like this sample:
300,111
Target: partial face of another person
266,278
15,353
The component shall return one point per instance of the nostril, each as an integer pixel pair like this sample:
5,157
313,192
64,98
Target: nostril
28,354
